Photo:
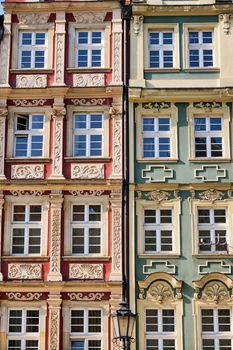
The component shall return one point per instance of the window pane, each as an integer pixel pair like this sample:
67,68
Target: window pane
207,37
167,38
37,122
148,147
26,38
200,147
168,344
94,345
96,145
26,57
83,37
14,345
193,37
94,321
208,344
150,241
152,320
94,213
80,121
225,344
167,59
207,320
168,320
40,39
164,124
78,213
77,345
200,124
32,321
80,145
78,241
94,240
82,58
215,124
19,213
22,123
203,216
220,216
21,146
96,121
37,146
208,58
164,147
166,240
204,240
166,216
216,146
96,37
15,321
152,344
35,213
154,38
221,240
18,241
32,345
194,60
150,216
96,58
34,240
77,321
149,124
224,320
154,59
39,59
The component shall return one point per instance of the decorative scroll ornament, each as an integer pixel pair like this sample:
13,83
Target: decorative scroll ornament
117,57
89,297
27,193
92,80
87,171
137,22
55,240
157,195
207,106
54,328
31,81
160,291
27,172
116,218
156,106
24,271
211,195
87,193
60,58
28,103
139,194
226,22
215,292
91,102
35,18
86,271
89,17
22,297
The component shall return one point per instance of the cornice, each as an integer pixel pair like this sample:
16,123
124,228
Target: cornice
183,187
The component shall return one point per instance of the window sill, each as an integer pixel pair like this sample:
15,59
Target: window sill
87,159
213,255
27,160
210,160
162,70
158,160
31,70
162,256
81,258
19,258
89,70
204,70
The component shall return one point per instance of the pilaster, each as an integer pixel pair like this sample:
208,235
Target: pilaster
54,303
56,200
3,114
117,63
1,216
137,45
60,49
5,52
116,204
116,112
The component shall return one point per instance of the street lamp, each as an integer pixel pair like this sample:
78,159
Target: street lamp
123,324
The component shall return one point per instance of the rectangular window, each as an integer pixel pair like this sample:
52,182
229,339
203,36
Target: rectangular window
156,137
212,230
161,49
26,230
86,229
89,49
216,329
201,48
88,135
23,329
29,136
160,329
158,230
33,50
208,135
86,329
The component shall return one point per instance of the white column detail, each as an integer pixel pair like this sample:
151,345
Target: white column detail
117,63
60,49
137,45
116,112
1,219
54,303
5,52
116,202
56,200
3,114
58,116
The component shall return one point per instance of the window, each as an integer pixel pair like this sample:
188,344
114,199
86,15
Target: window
200,44
208,137
161,49
23,329
89,49
158,230
32,50
216,329
86,331
160,329
86,229
88,135
26,230
29,136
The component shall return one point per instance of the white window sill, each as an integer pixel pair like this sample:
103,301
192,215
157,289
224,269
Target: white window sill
81,258
155,70
31,70
160,255
20,258
157,160
89,70
210,160
87,159
213,255
27,160
202,69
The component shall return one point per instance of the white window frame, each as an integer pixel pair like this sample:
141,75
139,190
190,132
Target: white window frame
195,205
81,305
105,27
25,200
29,133
150,28
174,205
33,48
89,47
191,27
103,201
163,113
161,48
75,110
224,113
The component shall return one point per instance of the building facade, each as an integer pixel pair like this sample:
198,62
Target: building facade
60,174
180,135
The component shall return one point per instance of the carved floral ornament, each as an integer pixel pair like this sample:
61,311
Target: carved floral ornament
23,297
211,195
86,193
58,111
226,17
156,106
35,18
137,22
29,103
207,106
89,17
88,297
160,292
157,195
89,102
214,292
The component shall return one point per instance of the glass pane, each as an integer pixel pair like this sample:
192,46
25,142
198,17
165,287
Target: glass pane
166,240
96,58
216,124
22,123
167,59
221,240
32,321
154,38
204,241
21,146
32,345
148,147
207,37
216,146
152,320
154,59
208,58
26,57
37,122
225,344
194,59
168,320
96,121
15,321
193,37
78,241
39,59
150,216
77,321
219,216
169,344
94,240
203,216
18,241
152,344
78,213
165,216
19,213
149,124
94,213
207,320
94,345
96,37
82,58
200,147
34,241
208,344
150,241
40,39
96,145
35,213
77,345
80,121
94,321
14,345
167,38
164,147
164,124
80,147
83,37
200,124
224,320
26,39
37,146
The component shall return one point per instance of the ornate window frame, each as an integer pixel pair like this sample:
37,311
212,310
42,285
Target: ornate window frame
176,54
159,109
71,110
89,26
162,291
25,200
19,27
12,113
200,27
173,204
196,204
66,311
211,291
6,305
213,109
68,204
